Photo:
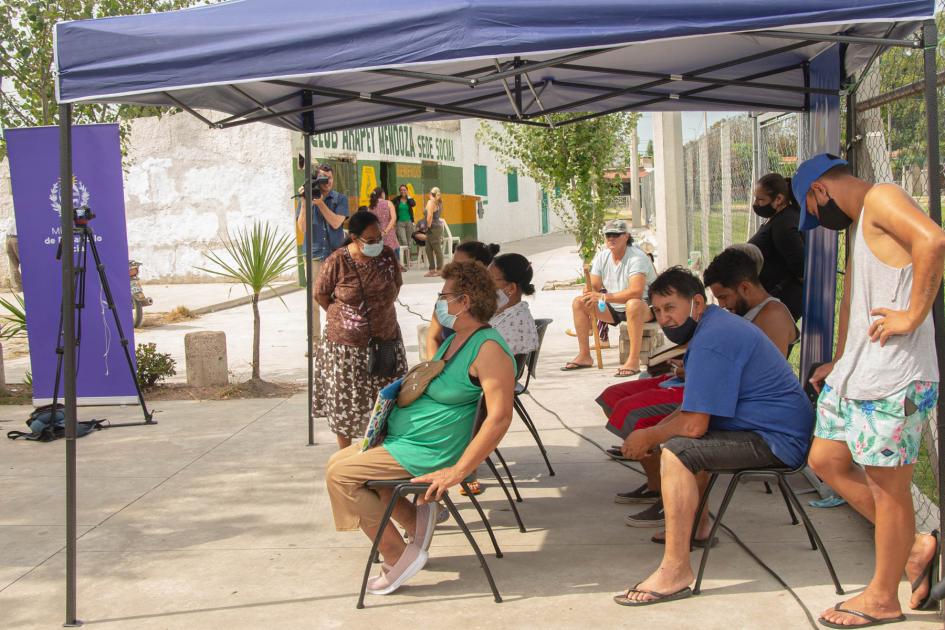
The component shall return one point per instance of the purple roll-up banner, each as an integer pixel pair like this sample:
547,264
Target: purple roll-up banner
103,374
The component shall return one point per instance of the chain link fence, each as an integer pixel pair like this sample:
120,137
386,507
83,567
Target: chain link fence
890,145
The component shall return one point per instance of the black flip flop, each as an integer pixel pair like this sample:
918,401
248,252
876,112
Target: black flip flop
577,366
698,542
928,574
870,620
625,373
658,598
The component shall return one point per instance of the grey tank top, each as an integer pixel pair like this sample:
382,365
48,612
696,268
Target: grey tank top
867,371
753,313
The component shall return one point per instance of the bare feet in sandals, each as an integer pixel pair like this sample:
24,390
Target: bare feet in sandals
860,611
918,568
625,372
666,584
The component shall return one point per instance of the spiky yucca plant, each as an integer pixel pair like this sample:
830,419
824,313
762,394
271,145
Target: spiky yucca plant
256,258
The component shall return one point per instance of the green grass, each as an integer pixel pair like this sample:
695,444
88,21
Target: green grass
739,231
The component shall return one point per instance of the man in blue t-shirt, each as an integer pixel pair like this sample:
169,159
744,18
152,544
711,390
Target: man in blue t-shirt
742,408
323,231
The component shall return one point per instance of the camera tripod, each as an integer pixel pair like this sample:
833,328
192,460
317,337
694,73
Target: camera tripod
86,242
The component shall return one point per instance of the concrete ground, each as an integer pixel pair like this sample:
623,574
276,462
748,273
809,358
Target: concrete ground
218,517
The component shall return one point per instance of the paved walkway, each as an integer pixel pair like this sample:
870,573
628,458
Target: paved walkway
217,518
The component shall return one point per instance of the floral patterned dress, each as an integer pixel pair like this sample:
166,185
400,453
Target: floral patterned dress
362,307
383,211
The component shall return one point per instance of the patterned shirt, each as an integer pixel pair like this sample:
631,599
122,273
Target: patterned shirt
363,296
517,327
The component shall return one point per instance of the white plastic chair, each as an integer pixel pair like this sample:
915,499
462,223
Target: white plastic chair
450,242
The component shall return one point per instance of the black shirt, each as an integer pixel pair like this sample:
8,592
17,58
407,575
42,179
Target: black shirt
783,248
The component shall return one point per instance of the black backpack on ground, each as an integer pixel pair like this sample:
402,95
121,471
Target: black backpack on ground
47,425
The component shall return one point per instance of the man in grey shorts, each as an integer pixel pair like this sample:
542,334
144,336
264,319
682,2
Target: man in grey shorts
742,408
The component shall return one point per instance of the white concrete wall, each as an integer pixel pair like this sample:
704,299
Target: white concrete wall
503,220
6,213
188,185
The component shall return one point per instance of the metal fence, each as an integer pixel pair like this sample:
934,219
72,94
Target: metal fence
889,144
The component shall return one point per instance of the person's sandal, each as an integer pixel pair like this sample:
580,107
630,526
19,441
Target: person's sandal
656,598
474,488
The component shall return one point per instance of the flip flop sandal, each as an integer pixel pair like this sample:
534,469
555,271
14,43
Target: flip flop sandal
870,620
570,366
658,598
474,488
697,543
625,373
928,575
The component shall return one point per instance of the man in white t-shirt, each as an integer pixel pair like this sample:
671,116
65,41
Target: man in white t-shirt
620,276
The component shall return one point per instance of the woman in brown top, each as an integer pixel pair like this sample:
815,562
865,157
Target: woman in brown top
357,286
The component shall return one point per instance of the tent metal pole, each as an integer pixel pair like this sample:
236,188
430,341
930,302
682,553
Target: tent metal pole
934,168
68,356
308,123
843,39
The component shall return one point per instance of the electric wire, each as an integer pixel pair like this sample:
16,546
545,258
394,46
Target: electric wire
723,526
413,312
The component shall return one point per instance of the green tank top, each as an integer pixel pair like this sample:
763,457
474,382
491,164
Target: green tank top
433,432
403,211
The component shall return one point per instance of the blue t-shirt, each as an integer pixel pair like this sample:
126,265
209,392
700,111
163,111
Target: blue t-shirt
738,376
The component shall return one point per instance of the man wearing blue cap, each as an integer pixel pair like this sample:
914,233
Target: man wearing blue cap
882,386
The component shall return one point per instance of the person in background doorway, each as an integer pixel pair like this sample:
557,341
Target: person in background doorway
780,242
387,218
13,255
322,230
404,205
881,389
434,243
357,287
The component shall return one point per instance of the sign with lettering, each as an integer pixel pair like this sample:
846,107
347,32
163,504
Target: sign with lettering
392,143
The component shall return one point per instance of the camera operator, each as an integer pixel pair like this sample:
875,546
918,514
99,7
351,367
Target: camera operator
324,231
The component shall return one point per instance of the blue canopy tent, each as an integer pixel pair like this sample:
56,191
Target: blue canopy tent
367,62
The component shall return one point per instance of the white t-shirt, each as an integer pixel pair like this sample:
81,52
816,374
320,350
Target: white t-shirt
616,276
517,327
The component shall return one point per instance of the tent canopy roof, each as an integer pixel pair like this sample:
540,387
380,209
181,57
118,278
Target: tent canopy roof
368,62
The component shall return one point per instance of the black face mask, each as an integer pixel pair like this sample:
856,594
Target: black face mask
832,217
765,212
683,333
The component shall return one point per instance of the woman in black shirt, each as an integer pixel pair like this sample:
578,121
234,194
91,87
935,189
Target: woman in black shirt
780,241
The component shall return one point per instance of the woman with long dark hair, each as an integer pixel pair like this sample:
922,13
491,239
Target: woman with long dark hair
780,242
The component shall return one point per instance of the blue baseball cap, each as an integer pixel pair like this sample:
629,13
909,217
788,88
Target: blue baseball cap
806,175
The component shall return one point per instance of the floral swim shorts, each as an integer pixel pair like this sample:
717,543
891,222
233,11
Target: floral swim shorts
885,432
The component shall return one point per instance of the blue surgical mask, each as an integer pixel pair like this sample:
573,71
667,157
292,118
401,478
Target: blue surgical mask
443,315
371,250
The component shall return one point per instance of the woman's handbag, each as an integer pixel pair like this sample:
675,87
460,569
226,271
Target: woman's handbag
382,355
416,381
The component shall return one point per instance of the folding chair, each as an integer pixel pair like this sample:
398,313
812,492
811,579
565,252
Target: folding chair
530,362
779,474
404,487
776,474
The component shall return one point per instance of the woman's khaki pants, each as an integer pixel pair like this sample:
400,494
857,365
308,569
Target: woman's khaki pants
353,505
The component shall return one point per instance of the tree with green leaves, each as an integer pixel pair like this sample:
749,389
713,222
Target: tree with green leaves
27,92
571,160
257,258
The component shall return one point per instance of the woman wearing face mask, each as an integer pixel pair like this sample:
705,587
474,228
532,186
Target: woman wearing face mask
780,242
431,438
357,286
404,205
470,251
512,275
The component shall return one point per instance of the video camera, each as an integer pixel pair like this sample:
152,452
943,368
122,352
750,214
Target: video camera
82,215
317,180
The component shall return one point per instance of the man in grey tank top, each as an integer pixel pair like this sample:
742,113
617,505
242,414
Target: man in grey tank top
882,386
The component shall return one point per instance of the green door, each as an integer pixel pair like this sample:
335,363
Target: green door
544,213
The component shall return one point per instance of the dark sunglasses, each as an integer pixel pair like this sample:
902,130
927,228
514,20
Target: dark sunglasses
614,234
325,168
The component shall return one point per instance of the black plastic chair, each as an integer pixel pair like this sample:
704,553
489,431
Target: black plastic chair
778,474
527,366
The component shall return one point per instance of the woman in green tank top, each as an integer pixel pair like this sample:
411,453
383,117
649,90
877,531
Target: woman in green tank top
431,440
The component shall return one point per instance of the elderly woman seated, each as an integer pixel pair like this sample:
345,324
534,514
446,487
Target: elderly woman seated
431,440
